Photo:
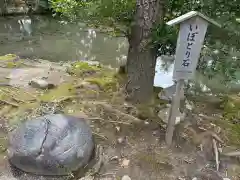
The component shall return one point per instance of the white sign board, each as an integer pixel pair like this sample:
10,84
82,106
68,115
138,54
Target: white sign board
189,45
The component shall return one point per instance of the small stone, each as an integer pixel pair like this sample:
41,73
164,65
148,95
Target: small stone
41,84
97,130
125,163
120,140
156,133
146,122
117,128
126,177
201,115
189,106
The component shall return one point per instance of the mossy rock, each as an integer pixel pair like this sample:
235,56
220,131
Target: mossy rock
80,68
62,91
106,81
8,57
11,61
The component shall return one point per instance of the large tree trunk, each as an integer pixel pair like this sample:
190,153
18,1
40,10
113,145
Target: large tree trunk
141,55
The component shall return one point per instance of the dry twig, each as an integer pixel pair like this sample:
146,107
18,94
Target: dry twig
215,148
9,103
232,154
66,98
30,94
12,94
101,136
96,168
101,119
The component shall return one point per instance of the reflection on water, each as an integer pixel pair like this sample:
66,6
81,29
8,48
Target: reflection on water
163,73
47,38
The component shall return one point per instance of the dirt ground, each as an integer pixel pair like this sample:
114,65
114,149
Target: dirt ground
133,146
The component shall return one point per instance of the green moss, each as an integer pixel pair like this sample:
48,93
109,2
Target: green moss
105,82
232,108
63,90
8,57
231,118
81,68
3,143
121,78
4,109
13,64
11,61
18,94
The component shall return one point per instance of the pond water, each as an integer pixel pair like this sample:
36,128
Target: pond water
52,39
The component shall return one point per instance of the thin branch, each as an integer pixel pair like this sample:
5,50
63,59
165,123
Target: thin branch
9,103
216,154
101,119
101,136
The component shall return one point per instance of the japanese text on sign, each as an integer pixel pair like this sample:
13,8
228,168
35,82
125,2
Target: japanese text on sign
190,40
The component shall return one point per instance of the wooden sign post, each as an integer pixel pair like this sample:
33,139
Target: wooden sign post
193,27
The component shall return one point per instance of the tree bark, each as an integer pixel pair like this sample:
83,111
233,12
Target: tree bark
141,55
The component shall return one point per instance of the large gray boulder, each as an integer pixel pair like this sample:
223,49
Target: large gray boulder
51,145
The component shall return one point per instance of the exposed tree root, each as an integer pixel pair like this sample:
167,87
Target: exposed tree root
199,137
97,166
101,119
116,112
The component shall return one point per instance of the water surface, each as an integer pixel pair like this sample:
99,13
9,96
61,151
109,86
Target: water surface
51,39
